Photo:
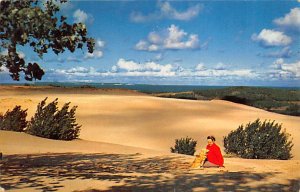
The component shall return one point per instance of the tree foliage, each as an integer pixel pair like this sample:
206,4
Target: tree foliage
184,146
259,140
50,122
36,24
14,120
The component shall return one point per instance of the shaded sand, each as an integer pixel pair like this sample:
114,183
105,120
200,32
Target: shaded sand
130,169
124,145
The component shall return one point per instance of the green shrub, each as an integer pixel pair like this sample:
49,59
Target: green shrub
14,120
259,140
184,146
50,122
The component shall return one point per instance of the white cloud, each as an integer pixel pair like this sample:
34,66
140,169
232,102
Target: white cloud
220,66
149,73
142,45
170,12
114,69
286,70
153,47
201,71
293,68
237,73
95,54
154,37
175,40
100,43
146,72
269,38
172,38
165,10
200,67
80,16
77,71
132,68
221,71
279,61
128,65
290,20
129,69
98,53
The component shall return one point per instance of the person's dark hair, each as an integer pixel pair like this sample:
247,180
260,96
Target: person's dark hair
211,137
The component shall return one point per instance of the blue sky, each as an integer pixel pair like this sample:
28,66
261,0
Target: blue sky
182,42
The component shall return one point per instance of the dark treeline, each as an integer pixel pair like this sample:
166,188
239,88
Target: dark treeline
283,101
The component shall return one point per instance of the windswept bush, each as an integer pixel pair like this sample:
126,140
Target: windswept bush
50,122
14,120
259,140
184,146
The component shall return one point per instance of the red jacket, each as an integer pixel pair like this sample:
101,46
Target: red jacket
214,154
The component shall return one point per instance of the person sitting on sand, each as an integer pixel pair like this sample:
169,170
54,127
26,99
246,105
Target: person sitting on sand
214,155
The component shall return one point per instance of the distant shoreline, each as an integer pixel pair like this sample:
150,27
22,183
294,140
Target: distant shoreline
144,88
46,89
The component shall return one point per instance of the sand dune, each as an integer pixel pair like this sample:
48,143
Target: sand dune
124,145
133,119
22,143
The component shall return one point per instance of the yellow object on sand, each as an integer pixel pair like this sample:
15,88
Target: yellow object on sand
200,159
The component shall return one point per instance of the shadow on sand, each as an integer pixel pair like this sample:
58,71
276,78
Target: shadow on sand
130,172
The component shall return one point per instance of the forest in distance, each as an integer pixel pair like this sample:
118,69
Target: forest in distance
278,100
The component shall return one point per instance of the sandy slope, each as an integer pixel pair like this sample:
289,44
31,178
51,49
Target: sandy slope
21,143
129,118
36,164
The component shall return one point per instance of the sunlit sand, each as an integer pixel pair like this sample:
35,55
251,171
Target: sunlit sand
125,142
